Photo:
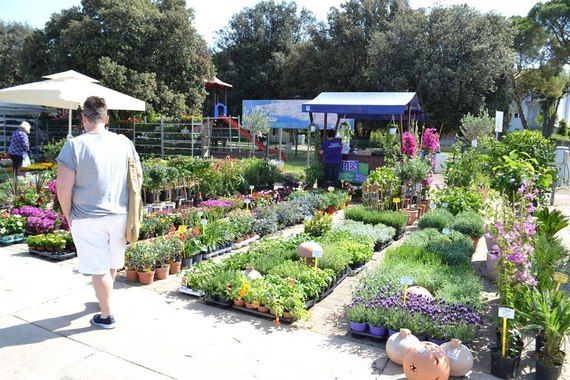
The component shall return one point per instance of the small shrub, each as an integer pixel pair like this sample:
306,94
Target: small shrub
457,199
394,219
469,223
319,225
438,219
454,248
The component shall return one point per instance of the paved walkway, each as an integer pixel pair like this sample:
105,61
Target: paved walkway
45,309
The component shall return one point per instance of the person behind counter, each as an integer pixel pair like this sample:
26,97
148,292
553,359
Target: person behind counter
331,150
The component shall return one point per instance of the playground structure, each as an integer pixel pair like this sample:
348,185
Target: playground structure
223,134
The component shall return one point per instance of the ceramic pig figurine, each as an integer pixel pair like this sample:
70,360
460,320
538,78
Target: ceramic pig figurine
426,361
460,358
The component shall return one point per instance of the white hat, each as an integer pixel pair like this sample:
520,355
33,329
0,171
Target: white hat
25,126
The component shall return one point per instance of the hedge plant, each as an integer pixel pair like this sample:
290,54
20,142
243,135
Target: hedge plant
437,218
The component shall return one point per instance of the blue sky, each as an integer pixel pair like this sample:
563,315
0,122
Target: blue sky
212,15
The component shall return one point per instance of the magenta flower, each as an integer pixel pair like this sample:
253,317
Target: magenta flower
409,144
430,140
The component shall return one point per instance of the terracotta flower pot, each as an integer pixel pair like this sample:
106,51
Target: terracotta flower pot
132,275
175,267
249,306
263,309
162,273
286,314
330,210
239,302
412,215
146,278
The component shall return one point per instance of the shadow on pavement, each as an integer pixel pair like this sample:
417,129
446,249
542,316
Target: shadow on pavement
23,334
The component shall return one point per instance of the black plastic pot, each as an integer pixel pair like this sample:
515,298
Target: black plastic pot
187,263
538,342
546,372
503,367
198,258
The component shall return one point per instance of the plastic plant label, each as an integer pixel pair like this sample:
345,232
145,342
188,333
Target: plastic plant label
330,188
561,278
200,213
505,312
247,201
421,349
432,206
405,280
445,204
204,222
396,200
308,217
446,231
316,254
251,187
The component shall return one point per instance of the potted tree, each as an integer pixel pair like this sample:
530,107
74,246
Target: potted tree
551,311
144,260
130,268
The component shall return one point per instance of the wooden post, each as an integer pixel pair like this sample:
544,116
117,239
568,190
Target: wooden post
409,115
401,132
337,122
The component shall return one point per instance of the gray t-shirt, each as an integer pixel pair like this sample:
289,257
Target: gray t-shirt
100,163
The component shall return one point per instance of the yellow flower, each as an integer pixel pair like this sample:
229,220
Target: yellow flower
182,228
244,289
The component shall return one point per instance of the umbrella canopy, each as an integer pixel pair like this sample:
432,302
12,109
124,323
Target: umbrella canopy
68,89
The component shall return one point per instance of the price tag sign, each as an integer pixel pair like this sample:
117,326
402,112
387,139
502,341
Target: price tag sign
204,222
316,254
499,121
396,200
405,280
247,201
561,278
505,312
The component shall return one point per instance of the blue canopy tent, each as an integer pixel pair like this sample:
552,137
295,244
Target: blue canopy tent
365,105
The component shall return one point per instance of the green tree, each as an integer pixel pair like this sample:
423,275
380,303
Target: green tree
129,44
12,58
553,17
253,49
457,59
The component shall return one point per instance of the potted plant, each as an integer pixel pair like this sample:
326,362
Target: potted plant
130,266
551,312
504,366
240,286
144,260
192,249
376,321
357,317
161,266
469,223
392,128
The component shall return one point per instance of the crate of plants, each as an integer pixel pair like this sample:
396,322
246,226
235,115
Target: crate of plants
383,234
56,245
12,228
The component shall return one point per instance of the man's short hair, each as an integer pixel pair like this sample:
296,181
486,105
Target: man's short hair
95,109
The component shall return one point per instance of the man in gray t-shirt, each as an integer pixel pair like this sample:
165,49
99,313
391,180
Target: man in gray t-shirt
92,189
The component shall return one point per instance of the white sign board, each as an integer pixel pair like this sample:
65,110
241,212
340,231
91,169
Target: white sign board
499,121
505,312
317,253
405,280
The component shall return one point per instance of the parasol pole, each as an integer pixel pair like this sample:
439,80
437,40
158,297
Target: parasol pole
69,135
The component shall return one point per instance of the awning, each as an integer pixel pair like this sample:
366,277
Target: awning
215,82
364,105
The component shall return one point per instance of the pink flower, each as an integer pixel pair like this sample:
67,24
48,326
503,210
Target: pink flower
409,144
430,140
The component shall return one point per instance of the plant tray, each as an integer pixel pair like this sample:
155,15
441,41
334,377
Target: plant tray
218,252
54,255
211,302
242,244
361,335
399,236
263,315
355,271
190,291
12,239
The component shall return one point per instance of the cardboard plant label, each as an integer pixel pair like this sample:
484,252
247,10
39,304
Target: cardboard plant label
316,254
505,312
560,277
406,280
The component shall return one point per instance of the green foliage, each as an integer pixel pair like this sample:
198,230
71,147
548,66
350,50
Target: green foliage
550,222
454,248
312,280
12,224
335,257
314,173
12,55
469,223
457,199
52,149
549,256
357,313
532,143
387,143
394,219
142,256
319,225
116,42
362,231
413,170
477,127
438,218
466,169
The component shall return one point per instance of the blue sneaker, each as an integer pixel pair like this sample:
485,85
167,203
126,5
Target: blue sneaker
107,323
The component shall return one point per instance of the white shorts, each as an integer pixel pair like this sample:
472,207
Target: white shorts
100,243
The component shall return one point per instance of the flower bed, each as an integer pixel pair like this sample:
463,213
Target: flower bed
57,245
41,221
394,219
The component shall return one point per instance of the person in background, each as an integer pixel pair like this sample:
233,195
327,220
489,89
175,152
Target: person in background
19,149
93,192
331,150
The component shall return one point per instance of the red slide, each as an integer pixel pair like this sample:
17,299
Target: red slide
247,135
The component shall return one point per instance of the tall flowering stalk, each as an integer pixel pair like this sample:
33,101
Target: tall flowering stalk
409,144
430,141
